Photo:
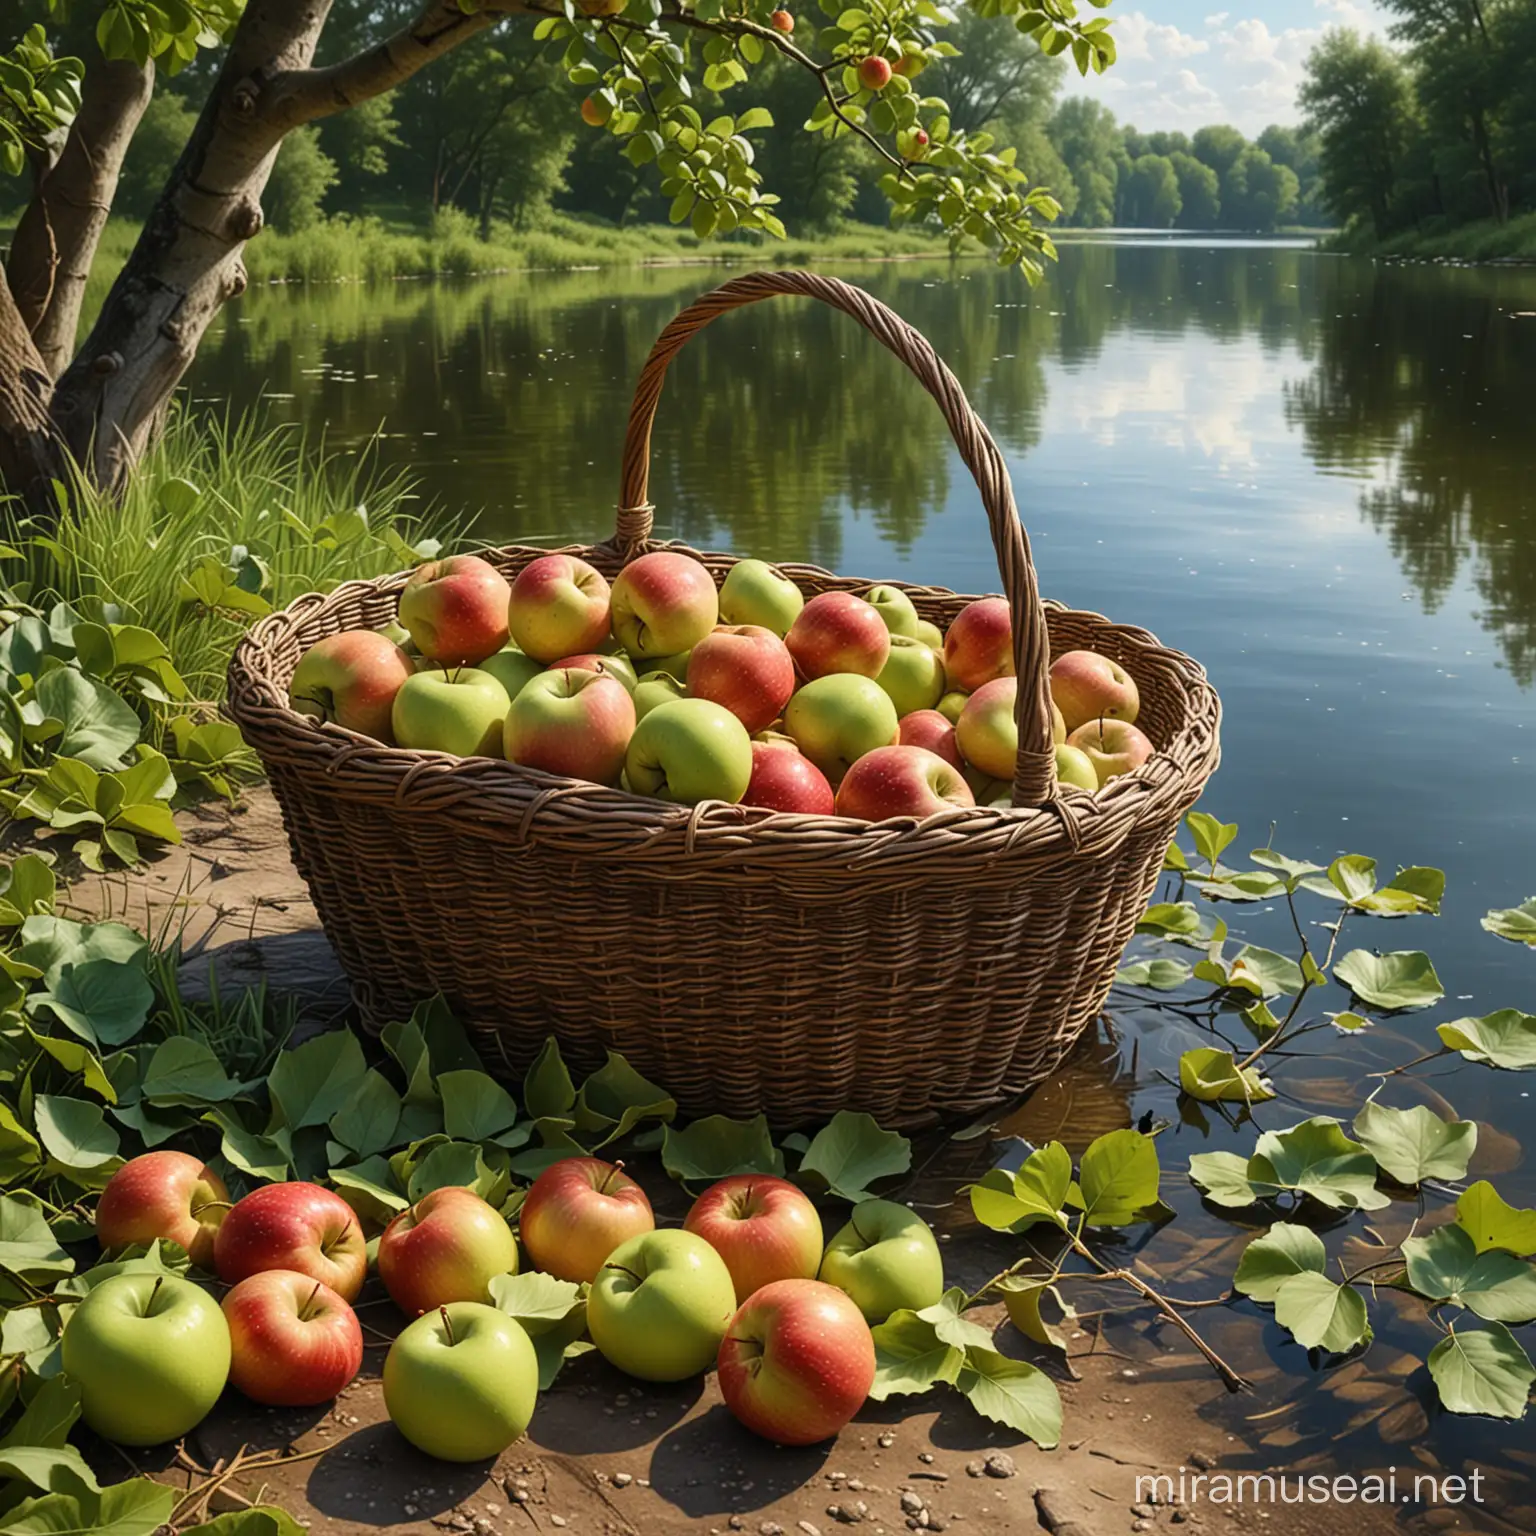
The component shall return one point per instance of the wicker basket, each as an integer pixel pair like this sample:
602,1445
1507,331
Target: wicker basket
745,959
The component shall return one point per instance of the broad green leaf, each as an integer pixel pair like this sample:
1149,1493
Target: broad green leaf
1014,1202
1403,979
1012,1393
103,1001
49,1417
406,1043
547,1089
1422,883
184,1071
311,1082
616,1098
910,1357
1349,1022
96,727
1025,1302
1445,1265
1243,885
1416,1144
1170,918
262,1520
1223,1177
1160,975
27,1245
137,1507
20,1150
449,1162
552,1312
1294,870
1322,1314
1317,1159
1352,875
53,1469
1118,1178
447,1043
1492,1223
1485,1371
76,1136
1212,837
1264,972
78,1059
370,1188
263,1157
852,1152
1283,1252
1504,1039
1517,924
716,1147
29,889
475,1106
1213,1075
949,1322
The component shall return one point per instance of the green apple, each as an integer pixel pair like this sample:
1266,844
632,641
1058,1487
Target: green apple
952,705
836,719
150,1354
461,1382
657,688
930,634
460,711
660,1305
690,750
398,633
913,675
895,607
511,668
755,593
676,664
885,1258
1074,766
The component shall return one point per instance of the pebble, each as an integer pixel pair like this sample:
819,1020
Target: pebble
999,1464
557,1521
1141,1525
855,1484
622,1479
911,1503
847,1514
736,1523
770,1528
520,1495
483,1527
1202,1459
886,1441
926,1457
936,1522
493,1509
807,1528
1143,1511
974,1469
1130,1373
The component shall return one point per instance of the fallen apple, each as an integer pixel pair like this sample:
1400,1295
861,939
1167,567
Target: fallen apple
293,1226
885,1258
764,1228
577,1212
293,1341
449,1246
165,1195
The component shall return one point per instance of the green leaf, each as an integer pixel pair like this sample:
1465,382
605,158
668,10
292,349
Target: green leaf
53,1469
406,1043
1014,1202
29,888
370,1188
1264,972
1504,1039
1025,1299
28,1247
448,1163
262,1520
910,1357
1348,1022
1211,836
852,1152
547,1089
1118,1179
1403,979
552,1312
715,1147
1491,1223
950,1324
1013,1393
1294,870
475,1106
312,1082
1352,875
184,1071
1321,1314
1223,1177
137,1507
617,1098
1425,885
1517,924
1446,1266
103,1001
1160,975
1169,919
1283,1252
95,725
49,1417
1485,1371
1317,1159
77,1137
367,1122
79,1059
263,1157
1213,1076
1416,1144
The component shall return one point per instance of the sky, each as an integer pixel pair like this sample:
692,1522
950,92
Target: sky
1185,63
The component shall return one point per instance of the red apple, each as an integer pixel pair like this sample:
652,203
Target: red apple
594,113
901,781
1086,686
764,1228
928,728
293,1226
449,1246
838,632
663,603
784,779
573,722
559,604
978,646
293,1342
1112,746
456,609
874,72
163,1195
351,679
619,668
986,732
746,668
782,21
577,1212
797,1362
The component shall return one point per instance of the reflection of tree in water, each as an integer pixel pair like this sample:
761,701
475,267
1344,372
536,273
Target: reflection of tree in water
1422,382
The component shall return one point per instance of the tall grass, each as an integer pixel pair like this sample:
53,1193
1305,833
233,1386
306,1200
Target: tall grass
1484,240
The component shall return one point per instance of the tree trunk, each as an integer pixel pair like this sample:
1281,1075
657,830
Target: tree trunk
27,457
55,242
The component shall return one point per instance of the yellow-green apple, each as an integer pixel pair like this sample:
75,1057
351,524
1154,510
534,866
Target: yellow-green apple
986,733
456,609
1087,686
895,607
747,669
676,665
293,1226
885,1258
163,1195
573,722
913,675
663,603
461,1383
620,668
577,1212
928,728
690,750
952,705
901,781
1112,746
350,679
396,631
1075,767
754,592
512,668
558,606
979,644
660,1304
984,788
462,711
930,634
785,779
293,1341
764,1228
835,720
150,1355
1058,725
838,632
449,1246
657,688
797,1362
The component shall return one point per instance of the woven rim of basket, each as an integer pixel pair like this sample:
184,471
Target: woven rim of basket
594,821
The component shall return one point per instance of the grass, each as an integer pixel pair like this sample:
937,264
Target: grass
1481,241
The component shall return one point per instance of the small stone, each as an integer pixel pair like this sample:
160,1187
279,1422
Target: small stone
974,1469
1144,1511
807,1528
926,1457
622,1479
736,1523
770,1528
1202,1459
1178,1517
847,1514
911,1503
932,1477
936,1522
999,1464
483,1527
855,1485
1141,1525
836,1477
520,1495
642,1482
493,1509
1130,1373
886,1441
557,1521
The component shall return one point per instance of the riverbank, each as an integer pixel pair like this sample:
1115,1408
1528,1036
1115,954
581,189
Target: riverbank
1484,241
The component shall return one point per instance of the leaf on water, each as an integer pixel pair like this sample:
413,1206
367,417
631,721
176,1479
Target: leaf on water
1212,837
1445,1266
1160,975
1349,1022
1403,979
1517,924
1322,1314
910,1357
1014,1202
1013,1393
1213,1075
1294,870
1319,1160
1262,972
1169,918
852,1152
1504,1039
1416,1144
717,1146
1285,1251
1491,1223
1485,1371
1223,1177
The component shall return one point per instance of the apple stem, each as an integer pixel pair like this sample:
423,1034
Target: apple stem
154,1291
447,1324
618,1167
623,1271
213,1205
304,1312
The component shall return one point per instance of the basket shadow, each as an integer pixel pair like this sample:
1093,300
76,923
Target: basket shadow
711,1465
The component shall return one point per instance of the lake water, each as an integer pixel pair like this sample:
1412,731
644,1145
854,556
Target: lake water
1317,474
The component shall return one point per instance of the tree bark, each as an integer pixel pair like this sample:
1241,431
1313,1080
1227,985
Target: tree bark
27,449
56,240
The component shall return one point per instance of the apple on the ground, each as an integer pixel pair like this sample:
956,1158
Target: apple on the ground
462,711
351,679
577,1212
1087,686
512,668
797,1362
573,722
690,750
901,781
764,1228
656,688
1113,747
785,779
150,1355
660,1304
836,719
745,668
1076,767
461,1382
663,603
558,605
928,728
293,1226
885,1258
838,632
163,1194
979,644
986,732
293,1341
895,607
449,1246
620,668
456,609
753,592
913,675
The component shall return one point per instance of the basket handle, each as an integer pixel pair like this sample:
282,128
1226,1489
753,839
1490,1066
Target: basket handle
1034,776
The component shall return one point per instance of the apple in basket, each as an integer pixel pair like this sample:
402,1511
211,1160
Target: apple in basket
784,779
559,605
1075,767
663,603
462,711
572,722
931,635
456,609
657,688
620,668
986,733
1086,686
895,607
838,632
913,675
928,728
901,781
979,644
745,668
351,679
952,705
753,592
690,750
835,720
1113,747
512,668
